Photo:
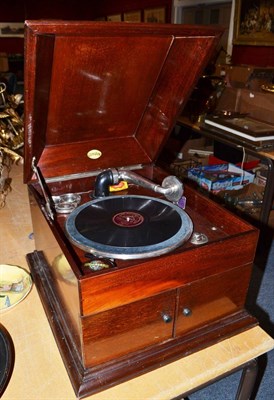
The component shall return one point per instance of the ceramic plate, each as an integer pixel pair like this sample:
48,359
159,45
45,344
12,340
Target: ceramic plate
15,284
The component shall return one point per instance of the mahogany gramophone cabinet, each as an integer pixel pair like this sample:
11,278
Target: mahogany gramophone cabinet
134,269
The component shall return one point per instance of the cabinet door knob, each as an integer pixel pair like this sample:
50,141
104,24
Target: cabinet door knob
166,318
187,312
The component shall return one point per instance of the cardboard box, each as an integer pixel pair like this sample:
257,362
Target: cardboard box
220,177
193,143
259,105
236,75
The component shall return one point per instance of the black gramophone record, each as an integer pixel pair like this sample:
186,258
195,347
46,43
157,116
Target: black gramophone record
128,227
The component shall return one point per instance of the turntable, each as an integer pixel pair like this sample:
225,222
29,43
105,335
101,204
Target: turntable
135,278
128,227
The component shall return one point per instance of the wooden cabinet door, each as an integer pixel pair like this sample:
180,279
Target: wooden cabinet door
126,329
211,298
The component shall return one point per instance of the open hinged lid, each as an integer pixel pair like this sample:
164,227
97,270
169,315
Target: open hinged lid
100,95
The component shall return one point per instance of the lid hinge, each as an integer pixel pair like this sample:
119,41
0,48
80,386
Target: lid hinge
47,209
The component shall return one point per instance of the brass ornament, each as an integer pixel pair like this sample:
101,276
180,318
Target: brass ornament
11,138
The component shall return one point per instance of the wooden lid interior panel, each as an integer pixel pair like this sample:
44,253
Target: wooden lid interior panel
111,87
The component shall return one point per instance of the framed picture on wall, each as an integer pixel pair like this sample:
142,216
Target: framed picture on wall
254,22
133,16
13,29
157,15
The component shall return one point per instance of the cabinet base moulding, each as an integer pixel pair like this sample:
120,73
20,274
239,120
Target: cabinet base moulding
87,381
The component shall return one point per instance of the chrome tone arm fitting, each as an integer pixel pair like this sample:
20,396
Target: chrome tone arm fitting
171,188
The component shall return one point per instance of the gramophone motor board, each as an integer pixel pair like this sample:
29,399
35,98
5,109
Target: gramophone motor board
133,268
143,311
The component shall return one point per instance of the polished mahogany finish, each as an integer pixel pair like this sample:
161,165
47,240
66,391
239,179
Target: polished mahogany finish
114,87
107,95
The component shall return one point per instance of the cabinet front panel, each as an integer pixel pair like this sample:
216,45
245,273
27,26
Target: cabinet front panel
212,298
114,333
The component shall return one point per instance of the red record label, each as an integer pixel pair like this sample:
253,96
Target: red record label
128,219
